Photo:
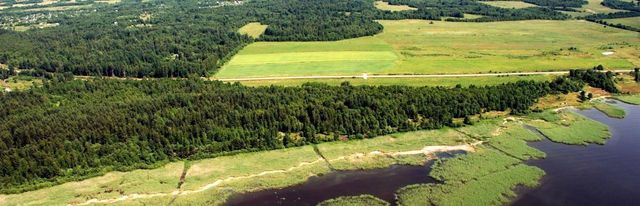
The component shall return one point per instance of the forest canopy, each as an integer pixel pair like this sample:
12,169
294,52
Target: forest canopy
177,38
67,130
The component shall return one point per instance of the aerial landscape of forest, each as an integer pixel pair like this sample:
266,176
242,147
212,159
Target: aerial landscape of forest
319,102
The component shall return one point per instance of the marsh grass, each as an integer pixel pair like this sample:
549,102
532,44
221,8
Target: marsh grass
632,99
610,110
362,200
492,189
570,128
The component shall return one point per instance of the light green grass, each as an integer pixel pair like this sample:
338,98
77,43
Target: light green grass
477,164
631,21
387,7
509,4
632,99
362,200
418,82
253,29
610,110
485,177
513,141
19,83
571,128
399,142
493,189
595,6
417,47
164,179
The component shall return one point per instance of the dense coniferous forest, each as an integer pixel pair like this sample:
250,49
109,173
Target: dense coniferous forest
623,5
558,3
602,80
171,38
67,130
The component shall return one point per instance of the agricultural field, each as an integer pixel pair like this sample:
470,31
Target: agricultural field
387,7
418,47
253,29
509,4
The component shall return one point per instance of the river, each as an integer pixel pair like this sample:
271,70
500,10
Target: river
591,175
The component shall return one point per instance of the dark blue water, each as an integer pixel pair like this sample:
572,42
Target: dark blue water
600,175
382,183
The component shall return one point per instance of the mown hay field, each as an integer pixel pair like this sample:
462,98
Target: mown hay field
509,4
419,47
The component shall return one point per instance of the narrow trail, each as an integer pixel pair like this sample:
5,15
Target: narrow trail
183,177
428,150
317,150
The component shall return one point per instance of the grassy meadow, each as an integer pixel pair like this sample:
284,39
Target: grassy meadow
632,99
362,200
253,29
418,47
418,82
570,128
631,21
610,110
387,7
509,4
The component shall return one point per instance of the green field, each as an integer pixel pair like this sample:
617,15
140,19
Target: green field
509,4
418,82
610,110
595,6
570,128
362,200
417,47
634,99
387,7
631,21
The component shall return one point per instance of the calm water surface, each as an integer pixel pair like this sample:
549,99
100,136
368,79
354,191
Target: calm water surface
382,183
593,175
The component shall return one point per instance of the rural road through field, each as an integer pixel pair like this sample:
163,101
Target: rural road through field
371,76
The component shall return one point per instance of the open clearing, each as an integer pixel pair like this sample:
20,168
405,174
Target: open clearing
253,29
509,4
417,47
595,6
631,21
386,6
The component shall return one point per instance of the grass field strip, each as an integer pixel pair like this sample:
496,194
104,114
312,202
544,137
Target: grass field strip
428,150
371,76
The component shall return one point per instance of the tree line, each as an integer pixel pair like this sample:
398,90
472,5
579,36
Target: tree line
69,130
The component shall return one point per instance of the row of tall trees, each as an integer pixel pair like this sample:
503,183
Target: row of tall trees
73,129
595,78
